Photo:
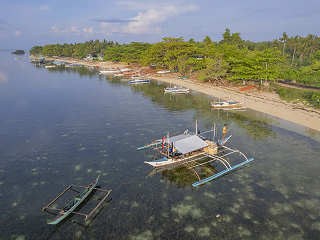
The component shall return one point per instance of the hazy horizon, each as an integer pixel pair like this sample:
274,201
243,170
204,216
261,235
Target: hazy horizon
23,25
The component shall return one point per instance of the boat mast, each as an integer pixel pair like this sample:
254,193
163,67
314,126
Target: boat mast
168,144
196,127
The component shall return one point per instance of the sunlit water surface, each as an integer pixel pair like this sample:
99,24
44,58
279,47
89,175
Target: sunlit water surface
67,126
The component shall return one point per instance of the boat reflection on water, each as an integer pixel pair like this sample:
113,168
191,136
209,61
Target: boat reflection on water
194,174
182,176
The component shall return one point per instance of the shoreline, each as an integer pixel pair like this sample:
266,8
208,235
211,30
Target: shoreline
265,102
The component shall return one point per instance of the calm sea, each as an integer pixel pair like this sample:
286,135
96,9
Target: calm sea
67,126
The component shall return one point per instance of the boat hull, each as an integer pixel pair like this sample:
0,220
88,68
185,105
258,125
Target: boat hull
166,162
139,81
176,90
109,72
229,106
161,163
221,105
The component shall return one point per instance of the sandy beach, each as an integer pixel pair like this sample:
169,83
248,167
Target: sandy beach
266,102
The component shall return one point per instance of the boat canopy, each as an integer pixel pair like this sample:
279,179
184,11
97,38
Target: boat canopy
174,139
186,143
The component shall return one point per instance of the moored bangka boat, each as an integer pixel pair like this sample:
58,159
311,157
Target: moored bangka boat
130,73
163,71
193,150
118,75
125,70
109,71
226,105
50,66
139,81
176,89
71,206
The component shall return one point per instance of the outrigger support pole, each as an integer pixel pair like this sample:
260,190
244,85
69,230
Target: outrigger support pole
87,216
98,205
54,200
203,181
149,145
73,212
98,189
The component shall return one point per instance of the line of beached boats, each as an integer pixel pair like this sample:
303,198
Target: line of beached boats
135,77
52,64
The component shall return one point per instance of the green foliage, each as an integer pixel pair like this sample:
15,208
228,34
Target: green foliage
128,53
226,36
315,99
207,41
154,55
175,54
187,65
316,56
294,58
233,39
292,94
257,65
215,70
77,50
35,50
306,75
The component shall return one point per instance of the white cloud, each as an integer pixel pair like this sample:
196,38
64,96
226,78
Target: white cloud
109,28
72,30
54,29
88,30
148,20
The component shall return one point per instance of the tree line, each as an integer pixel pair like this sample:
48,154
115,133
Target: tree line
295,58
75,50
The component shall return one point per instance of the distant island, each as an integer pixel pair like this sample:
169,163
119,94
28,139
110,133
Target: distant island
18,52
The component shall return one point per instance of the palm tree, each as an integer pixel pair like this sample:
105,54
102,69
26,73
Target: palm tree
284,40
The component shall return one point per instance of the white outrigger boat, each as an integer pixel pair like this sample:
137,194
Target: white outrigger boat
109,71
176,89
193,150
139,81
50,66
163,71
227,105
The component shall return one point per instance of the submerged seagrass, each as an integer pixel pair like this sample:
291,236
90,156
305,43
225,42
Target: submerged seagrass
69,125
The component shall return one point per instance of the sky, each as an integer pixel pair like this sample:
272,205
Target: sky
24,24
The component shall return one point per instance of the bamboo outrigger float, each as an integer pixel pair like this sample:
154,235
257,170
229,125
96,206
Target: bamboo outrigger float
193,150
71,206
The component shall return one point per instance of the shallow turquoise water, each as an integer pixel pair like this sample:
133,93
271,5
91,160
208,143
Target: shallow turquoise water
67,127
